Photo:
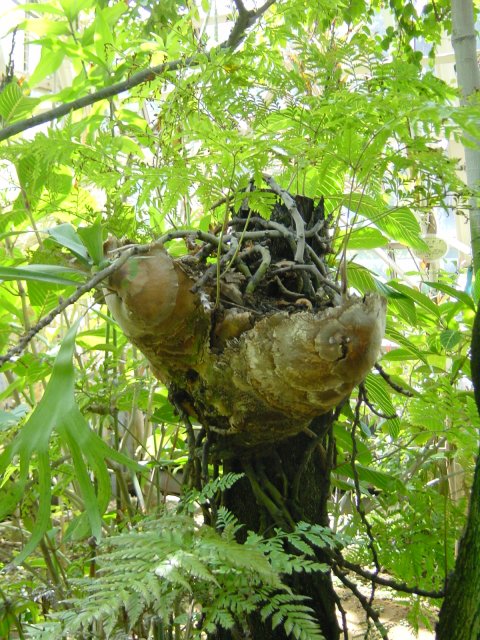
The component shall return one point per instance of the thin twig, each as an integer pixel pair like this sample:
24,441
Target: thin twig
82,289
393,384
387,582
245,20
367,607
343,615
358,495
380,414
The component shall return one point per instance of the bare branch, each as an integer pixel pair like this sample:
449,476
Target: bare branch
394,385
388,582
369,610
294,212
245,20
380,414
146,75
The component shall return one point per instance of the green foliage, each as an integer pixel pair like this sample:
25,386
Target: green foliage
170,565
58,411
334,108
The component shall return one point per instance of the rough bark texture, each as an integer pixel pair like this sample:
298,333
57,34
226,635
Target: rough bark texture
257,353
460,612
295,476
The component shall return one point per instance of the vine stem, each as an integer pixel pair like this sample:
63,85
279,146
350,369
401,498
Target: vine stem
387,582
394,385
358,495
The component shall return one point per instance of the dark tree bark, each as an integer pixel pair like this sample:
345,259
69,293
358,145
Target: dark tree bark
460,612
295,479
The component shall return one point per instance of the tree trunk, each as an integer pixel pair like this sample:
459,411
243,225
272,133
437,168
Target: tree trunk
460,612
464,41
295,477
260,363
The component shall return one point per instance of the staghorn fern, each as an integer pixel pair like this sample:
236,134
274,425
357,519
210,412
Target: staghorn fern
173,573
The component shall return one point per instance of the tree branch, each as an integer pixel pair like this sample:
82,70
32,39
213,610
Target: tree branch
245,20
387,582
146,75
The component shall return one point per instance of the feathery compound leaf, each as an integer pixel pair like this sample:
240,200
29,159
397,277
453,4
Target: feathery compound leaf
14,104
169,560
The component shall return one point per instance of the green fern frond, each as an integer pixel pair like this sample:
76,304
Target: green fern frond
171,568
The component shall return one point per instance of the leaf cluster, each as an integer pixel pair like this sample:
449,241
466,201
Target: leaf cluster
174,573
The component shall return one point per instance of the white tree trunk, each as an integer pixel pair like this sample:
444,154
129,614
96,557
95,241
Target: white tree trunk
468,79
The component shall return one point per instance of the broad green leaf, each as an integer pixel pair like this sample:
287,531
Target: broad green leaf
462,296
398,304
476,288
45,27
450,338
344,438
403,308
129,146
421,414
399,355
366,238
360,278
370,476
72,8
379,396
41,7
104,40
66,236
399,224
13,417
42,518
419,298
50,61
32,174
82,474
57,411
400,339
44,296
92,238
38,273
